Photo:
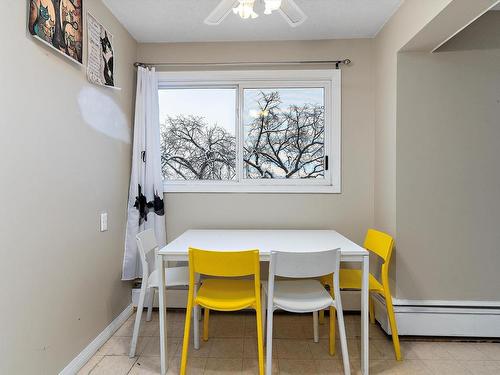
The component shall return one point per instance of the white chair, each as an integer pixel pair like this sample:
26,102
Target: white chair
174,276
305,295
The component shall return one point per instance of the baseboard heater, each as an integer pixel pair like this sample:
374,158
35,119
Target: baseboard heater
441,318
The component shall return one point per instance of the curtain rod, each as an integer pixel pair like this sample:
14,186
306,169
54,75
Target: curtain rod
337,63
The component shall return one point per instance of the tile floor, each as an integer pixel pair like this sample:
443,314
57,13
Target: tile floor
232,349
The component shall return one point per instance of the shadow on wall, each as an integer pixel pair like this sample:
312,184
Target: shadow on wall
103,114
483,34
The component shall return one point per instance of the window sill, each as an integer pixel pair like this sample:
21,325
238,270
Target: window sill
239,188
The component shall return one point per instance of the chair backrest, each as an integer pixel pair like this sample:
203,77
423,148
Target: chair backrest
224,263
379,243
304,265
146,242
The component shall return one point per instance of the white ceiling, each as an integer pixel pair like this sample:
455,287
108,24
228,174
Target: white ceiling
182,20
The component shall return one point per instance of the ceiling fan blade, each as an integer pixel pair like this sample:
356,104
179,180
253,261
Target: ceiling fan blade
292,13
220,12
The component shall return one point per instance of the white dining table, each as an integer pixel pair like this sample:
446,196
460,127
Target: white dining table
265,241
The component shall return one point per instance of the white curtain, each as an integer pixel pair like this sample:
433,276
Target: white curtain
145,202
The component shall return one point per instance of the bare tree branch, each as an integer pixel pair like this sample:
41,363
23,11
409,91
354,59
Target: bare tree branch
193,150
285,142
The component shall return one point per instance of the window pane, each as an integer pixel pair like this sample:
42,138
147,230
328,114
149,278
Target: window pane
284,130
197,129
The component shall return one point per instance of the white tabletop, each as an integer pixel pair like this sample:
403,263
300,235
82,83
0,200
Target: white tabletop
263,240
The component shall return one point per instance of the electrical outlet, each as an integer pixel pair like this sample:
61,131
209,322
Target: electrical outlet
104,221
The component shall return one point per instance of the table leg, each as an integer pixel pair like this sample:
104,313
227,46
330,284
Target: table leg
160,264
365,333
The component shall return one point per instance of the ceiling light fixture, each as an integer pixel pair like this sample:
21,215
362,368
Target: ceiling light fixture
288,9
271,6
245,9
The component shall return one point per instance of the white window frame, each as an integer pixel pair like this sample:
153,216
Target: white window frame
330,80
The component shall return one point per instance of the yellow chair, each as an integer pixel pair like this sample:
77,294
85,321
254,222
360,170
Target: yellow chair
381,244
224,294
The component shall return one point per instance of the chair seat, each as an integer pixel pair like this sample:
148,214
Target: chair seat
226,294
351,279
300,296
174,276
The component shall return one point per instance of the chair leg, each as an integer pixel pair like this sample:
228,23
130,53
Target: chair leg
315,326
196,321
328,285
137,324
187,328
260,343
151,299
196,327
394,327
269,341
263,303
205,323
372,310
332,331
321,316
343,341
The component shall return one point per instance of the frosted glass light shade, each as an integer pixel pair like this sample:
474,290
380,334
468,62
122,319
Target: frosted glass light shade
272,5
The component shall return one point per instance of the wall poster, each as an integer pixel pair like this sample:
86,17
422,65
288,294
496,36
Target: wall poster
100,64
58,24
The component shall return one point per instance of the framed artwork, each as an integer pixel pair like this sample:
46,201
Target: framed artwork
101,53
58,24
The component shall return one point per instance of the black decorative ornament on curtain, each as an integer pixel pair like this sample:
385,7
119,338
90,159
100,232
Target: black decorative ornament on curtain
142,204
144,207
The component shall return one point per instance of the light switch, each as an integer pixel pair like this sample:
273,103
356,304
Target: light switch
104,221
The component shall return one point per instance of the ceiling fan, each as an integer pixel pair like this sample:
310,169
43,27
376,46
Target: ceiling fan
245,9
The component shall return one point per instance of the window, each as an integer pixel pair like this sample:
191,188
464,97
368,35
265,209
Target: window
273,131
198,133
284,133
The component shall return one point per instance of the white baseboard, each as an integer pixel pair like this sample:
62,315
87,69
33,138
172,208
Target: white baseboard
84,356
441,319
176,298
447,303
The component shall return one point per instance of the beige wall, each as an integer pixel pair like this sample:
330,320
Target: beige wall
448,175
350,212
409,19
61,277
423,25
